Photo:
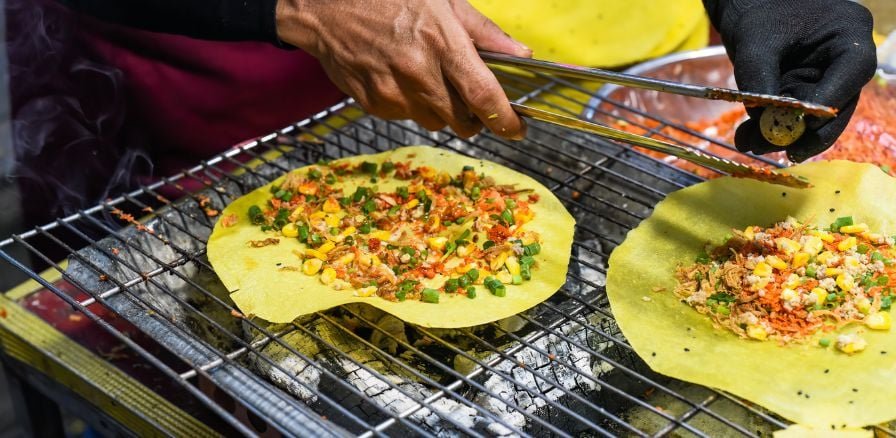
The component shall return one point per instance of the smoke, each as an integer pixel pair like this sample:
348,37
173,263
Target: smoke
68,115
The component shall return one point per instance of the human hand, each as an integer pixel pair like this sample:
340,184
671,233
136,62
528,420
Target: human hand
819,51
409,59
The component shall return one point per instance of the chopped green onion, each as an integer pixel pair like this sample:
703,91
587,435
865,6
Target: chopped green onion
345,201
507,217
886,302
810,271
359,194
471,292
392,211
876,256
723,297
303,232
526,272
364,228
468,168
430,296
400,295
369,206
402,192
451,285
316,239
460,220
368,167
510,203
824,342
883,280
517,279
450,247
334,231
500,291
475,193
841,222
255,215
314,174
472,274
862,249
275,189
349,240
488,244
330,179
702,258
387,166
831,297
867,280
531,249
724,310
464,235
464,281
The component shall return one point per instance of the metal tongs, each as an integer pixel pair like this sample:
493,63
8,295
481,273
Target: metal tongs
686,153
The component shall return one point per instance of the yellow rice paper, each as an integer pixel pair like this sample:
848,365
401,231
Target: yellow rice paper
262,289
805,383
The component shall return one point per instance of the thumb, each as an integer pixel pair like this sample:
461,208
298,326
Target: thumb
485,33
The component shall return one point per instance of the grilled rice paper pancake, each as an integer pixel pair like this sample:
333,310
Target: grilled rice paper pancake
269,281
804,382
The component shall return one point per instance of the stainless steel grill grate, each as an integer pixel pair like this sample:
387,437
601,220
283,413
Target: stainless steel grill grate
561,369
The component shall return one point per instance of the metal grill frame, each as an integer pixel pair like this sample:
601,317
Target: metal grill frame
605,184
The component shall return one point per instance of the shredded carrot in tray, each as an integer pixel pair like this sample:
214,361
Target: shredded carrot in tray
870,136
791,281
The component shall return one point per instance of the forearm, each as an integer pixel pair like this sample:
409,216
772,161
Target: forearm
230,20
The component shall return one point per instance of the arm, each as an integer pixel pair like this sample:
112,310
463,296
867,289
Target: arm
815,50
399,59
229,20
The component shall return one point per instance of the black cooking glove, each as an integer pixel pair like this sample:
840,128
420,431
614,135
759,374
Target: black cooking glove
815,50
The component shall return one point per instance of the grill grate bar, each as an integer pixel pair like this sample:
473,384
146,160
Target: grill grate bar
121,337
443,390
223,358
234,354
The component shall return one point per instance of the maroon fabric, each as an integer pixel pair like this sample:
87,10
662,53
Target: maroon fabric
194,98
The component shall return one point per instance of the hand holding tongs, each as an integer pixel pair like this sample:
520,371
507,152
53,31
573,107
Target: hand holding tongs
693,155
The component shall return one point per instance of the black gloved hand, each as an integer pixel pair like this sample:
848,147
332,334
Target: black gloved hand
819,51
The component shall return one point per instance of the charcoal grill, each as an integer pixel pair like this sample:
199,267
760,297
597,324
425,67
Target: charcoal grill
560,369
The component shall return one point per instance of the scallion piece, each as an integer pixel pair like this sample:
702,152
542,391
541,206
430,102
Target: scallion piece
507,217
368,167
531,249
517,279
303,232
824,342
402,192
451,285
475,192
510,203
387,166
500,291
876,256
472,274
464,281
862,249
468,168
841,222
810,271
364,228
369,206
330,179
471,292
313,174
430,296
883,280
488,244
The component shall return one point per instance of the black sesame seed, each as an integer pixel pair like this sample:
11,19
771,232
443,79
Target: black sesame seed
832,210
855,390
837,192
833,427
653,354
783,194
687,350
883,352
827,371
852,401
800,392
807,395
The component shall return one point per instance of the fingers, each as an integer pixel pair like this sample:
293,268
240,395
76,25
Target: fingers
815,142
485,33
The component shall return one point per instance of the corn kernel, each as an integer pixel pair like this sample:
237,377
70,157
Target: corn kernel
879,321
443,178
851,262
332,220
825,257
411,204
290,230
331,205
368,291
850,344
761,284
831,272
437,243
463,250
854,229
762,269
374,260
874,237
365,260
346,259
793,281
847,243
749,232
812,245
311,266
348,231
308,188
317,215
383,235
504,277
799,260
522,216
426,172
326,247
789,295
821,295
863,305
776,263
823,235
845,282
499,260
513,265
463,269
313,253
789,246
328,275
757,332
434,222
